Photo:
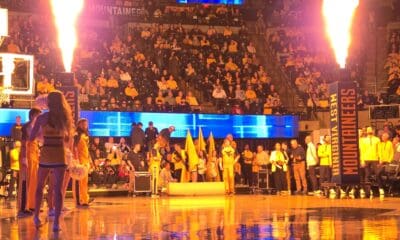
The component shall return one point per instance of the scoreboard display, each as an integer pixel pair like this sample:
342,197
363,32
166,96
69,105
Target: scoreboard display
230,2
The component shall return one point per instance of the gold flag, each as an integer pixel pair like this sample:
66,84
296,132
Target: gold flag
191,152
201,143
211,144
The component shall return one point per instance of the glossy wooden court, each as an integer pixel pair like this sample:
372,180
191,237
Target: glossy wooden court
236,217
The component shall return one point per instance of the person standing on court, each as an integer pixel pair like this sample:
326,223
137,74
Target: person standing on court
56,127
154,168
261,158
136,163
80,188
14,166
369,156
28,166
325,157
385,154
285,151
279,168
247,156
298,156
312,162
228,162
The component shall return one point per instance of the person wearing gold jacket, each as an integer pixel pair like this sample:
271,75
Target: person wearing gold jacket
154,168
325,160
32,156
228,162
29,161
14,166
369,153
80,188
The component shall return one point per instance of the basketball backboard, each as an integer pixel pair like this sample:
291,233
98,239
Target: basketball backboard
16,74
3,24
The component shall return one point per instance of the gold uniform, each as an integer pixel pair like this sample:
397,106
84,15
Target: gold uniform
32,156
228,162
80,188
154,168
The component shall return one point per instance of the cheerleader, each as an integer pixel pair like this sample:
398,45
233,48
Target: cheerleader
81,153
247,156
56,127
201,168
213,167
279,168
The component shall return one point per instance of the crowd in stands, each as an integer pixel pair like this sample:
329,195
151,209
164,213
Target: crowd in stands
392,66
180,68
152,11
306,60
304,64
165,68
196,14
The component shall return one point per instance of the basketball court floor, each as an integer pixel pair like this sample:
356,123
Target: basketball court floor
236,217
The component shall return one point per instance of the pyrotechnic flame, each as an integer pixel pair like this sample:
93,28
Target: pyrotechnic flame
338,17
65,13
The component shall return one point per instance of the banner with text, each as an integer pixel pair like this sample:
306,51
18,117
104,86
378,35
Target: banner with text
344,133
98,9
71,95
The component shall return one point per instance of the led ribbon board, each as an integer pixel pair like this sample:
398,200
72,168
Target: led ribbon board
118,124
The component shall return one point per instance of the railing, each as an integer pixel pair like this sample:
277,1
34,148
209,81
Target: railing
292,91
384,112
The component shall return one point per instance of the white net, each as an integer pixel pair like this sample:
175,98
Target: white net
4,97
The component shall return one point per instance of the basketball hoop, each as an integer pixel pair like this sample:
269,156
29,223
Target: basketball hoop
4,96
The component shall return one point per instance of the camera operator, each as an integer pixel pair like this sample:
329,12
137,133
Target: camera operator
136,163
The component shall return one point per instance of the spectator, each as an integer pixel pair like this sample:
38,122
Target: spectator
191,100
165,134
16,130
170,99
131,92
160,98
250,94
149,107
179,98
219,96
171,84
239,93
137,106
